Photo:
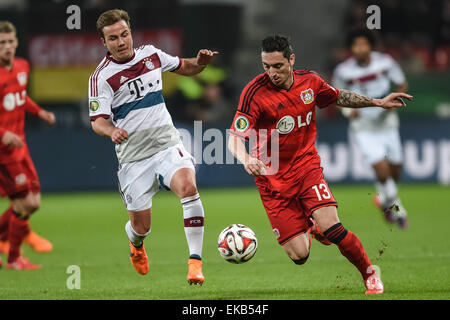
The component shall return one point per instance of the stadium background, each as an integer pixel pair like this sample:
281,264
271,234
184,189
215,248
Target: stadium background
416,33
70,157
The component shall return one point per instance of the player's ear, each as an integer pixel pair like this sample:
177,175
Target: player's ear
292,60
103,41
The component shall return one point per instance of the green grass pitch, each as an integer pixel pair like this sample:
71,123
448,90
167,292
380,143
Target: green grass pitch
87,230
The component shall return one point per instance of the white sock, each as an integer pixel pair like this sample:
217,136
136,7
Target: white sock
387,192
193,215
381,192
135,238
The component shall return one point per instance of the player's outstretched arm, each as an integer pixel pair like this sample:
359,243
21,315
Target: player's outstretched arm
102,127
193,66
253,166
351,99
33,108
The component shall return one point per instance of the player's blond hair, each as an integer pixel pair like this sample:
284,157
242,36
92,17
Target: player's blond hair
110,17
7,27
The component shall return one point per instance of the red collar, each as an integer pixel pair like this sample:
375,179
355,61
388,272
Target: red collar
279,88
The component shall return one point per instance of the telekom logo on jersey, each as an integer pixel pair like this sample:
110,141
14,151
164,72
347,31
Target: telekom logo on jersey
14,99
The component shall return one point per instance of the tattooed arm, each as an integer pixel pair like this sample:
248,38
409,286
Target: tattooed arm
351,99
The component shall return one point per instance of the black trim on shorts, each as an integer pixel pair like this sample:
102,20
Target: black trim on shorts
291,236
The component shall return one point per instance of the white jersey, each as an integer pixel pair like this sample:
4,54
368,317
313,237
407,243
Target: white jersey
372,80
130,93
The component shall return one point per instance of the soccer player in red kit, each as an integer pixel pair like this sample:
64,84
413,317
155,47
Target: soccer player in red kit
18,177
278,107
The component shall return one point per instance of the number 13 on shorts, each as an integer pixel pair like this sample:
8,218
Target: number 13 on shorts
322,191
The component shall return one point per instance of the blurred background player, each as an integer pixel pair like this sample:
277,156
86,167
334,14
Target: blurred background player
375,130
292,187
18,177
127,87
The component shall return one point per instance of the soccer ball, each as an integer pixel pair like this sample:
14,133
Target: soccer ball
237,243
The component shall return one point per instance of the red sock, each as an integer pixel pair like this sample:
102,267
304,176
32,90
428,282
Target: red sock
4,223
18,229
351,248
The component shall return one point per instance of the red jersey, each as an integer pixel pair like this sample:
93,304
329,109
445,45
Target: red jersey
270,115
13,104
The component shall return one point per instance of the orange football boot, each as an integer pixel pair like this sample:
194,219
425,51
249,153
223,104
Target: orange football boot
38,243
4,247
376,202
22,263
195,274
139,258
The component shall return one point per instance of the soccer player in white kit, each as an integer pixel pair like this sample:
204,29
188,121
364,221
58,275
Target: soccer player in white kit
375,130
126,105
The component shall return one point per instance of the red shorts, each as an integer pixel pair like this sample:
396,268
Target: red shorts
17,179
289,217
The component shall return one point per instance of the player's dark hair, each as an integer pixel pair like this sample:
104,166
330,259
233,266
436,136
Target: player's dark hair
7,27
110,17
365,33
277,43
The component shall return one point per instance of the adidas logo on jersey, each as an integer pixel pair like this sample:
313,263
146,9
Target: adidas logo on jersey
123,79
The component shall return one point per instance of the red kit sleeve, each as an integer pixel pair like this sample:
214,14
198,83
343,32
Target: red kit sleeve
326,94
32,107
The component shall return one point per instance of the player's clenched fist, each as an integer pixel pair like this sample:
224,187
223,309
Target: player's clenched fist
255,167
47,116
12,139
119,135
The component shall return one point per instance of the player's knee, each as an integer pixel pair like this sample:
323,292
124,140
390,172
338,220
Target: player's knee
299,256
188,190
32,206
300,261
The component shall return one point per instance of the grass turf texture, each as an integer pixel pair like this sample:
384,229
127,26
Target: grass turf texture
87,229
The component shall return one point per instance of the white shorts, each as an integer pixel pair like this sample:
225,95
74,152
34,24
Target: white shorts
379,145
140,180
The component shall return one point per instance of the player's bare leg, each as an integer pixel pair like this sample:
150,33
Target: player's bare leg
137,229
387,174
183,184
38,243
349,245
18,229
298,248
317,234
